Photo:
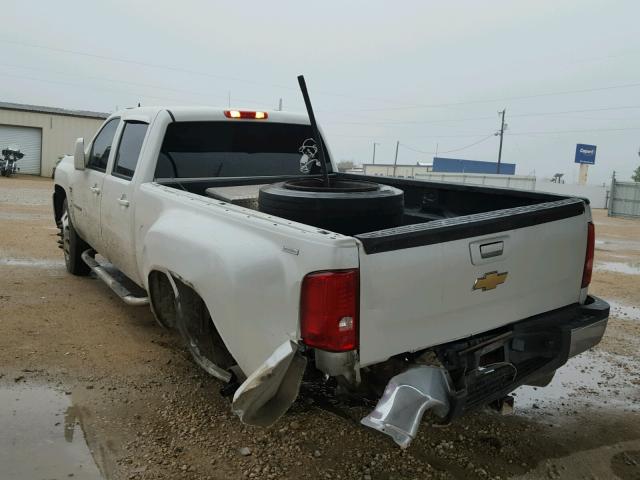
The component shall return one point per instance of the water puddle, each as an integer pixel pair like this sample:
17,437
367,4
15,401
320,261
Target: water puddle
41,437
624,311
628,268
593,379
31,262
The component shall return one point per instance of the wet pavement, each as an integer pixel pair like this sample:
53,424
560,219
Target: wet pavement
32,263
42,436
628,268
606,244
590,381
624,311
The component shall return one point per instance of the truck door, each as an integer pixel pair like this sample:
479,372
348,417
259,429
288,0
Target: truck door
117,213
86,187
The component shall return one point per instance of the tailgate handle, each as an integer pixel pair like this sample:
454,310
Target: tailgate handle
493,249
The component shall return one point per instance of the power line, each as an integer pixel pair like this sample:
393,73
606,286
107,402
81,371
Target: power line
61,82
286,87
575,131
127,92
487,117
584,110
417,150
503,99
112,80
409,122
470,135
136,62
448,151
188,71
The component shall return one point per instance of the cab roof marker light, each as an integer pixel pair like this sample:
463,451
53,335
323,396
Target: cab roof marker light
246,114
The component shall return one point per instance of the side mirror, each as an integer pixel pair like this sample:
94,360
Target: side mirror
78,155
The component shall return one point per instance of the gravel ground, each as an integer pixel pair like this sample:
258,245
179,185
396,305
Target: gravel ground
86,363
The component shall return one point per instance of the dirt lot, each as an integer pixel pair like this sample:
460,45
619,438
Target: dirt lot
92,388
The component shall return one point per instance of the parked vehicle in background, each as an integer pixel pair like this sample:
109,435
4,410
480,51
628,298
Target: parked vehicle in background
473,292
9,160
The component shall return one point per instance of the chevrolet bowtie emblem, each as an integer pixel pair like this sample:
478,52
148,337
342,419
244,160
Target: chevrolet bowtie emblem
489,281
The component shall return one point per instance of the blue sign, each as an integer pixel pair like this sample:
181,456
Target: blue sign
585,154
457,165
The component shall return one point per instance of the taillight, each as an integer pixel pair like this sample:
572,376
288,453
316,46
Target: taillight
329,310
246,114
588,258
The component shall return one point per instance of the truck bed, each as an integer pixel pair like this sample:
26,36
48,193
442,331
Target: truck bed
418,281
425,202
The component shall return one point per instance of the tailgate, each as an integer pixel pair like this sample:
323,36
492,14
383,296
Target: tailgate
417,281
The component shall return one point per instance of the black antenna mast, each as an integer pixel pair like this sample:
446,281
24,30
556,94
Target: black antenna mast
314,129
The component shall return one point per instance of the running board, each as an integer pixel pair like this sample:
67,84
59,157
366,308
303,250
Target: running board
117,287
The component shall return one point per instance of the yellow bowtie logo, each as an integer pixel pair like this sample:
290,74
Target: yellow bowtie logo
489,281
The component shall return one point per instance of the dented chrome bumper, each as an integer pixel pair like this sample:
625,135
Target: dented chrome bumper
533,349
405,400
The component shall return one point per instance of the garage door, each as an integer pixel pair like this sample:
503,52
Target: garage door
28,140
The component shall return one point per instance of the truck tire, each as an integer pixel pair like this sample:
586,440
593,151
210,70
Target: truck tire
72,245
347,207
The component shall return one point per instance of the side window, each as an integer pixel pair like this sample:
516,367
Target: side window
102,146
129,149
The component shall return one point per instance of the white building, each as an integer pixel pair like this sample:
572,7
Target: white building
402,171
43,134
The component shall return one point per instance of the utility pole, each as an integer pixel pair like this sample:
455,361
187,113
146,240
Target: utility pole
501,133
395,162
374,152
280,105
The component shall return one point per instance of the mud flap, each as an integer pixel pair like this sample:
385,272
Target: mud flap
269,391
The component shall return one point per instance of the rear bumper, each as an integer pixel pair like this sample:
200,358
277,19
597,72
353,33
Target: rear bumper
487,367
589,334
533,348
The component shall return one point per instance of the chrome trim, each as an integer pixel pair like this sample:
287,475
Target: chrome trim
405,399
119,289
583,338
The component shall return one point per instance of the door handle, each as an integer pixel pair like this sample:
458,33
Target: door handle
493,249
489,250
123,201
95,189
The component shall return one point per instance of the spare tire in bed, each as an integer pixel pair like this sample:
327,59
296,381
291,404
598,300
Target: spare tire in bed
348,207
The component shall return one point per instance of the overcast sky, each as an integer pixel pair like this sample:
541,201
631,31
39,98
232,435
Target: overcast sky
427,74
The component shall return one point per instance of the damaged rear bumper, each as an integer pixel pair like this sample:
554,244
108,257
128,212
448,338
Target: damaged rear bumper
405,400
485,368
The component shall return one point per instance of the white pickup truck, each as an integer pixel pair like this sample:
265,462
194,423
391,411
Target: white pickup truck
473,292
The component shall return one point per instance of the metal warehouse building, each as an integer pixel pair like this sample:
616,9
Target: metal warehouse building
43,134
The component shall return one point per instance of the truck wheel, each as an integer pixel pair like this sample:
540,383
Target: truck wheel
348,207
72,245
